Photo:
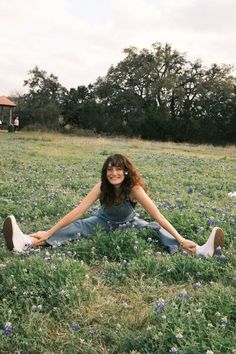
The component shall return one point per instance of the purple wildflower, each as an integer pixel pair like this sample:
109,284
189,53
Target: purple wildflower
190,190
218,251
222,258
223,321
197,285
74,327
7,329
159,305
211,220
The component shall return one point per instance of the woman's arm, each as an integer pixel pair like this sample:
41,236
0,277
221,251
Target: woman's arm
73,215
141,196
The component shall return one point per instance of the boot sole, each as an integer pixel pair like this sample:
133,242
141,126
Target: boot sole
219,239
8,233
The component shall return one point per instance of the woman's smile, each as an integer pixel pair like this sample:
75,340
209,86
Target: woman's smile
115,175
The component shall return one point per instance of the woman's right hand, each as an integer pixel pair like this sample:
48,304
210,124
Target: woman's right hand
188,245
39,237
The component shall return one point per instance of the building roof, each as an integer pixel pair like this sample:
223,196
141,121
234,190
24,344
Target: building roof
5,102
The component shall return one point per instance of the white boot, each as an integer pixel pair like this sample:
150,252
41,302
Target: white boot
215,240
14,237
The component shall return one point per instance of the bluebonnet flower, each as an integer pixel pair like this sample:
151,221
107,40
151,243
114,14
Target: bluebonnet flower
223,321
74,327
159,305
22,254
190,190
211,220
7,329
222,258
32,250
218,251
197,285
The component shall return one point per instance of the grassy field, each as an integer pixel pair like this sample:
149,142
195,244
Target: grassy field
117,293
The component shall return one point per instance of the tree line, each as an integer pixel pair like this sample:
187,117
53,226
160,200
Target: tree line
152,93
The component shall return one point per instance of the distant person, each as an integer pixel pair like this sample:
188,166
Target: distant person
16,123
119,190
1,125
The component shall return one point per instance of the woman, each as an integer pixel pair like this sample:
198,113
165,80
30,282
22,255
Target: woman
120,188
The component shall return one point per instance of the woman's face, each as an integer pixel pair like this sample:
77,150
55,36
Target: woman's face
115,175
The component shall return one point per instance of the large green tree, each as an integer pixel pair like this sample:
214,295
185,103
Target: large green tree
152,93
158,94
41,104
80,108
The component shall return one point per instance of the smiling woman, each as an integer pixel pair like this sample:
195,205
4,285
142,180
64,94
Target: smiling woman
120,188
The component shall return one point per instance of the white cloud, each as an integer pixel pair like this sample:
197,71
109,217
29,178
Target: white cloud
78,41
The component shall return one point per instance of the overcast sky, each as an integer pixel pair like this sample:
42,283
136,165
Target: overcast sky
78,40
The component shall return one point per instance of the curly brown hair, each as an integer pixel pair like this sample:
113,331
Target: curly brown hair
132,178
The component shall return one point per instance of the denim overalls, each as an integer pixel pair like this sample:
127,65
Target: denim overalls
110,218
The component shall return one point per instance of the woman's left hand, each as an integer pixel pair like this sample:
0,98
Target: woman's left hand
39,237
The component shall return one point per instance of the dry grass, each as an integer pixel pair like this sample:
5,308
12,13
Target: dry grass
118,144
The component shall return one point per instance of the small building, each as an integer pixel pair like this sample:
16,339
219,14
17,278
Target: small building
6,103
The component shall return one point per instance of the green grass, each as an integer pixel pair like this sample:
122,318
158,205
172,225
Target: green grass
116,293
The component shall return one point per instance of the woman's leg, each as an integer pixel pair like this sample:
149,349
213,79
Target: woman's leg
216,239
76,230
16,240
164,236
